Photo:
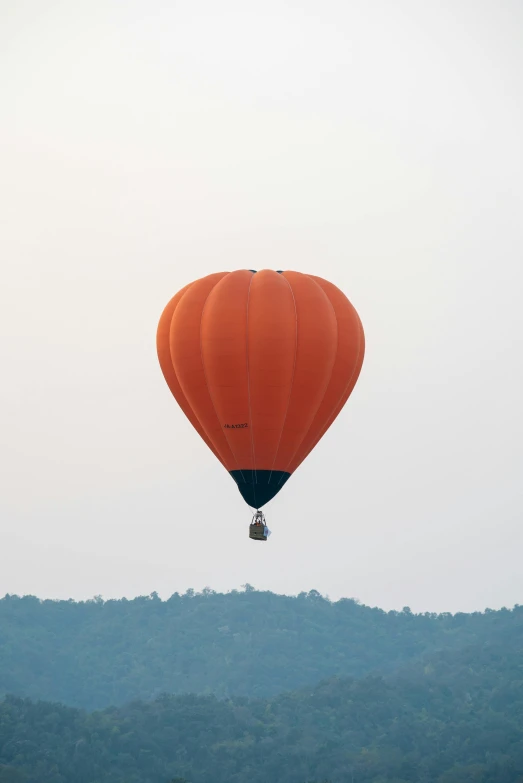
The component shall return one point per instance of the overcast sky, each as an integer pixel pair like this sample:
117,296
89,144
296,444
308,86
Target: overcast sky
378,144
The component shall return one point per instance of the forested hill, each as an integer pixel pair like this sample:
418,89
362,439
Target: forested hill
457,718
94,654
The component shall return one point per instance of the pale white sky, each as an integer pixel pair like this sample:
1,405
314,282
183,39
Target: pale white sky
146,143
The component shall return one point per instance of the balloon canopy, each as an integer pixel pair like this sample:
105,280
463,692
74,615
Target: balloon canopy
261,363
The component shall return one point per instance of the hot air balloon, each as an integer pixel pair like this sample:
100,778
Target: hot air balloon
261,363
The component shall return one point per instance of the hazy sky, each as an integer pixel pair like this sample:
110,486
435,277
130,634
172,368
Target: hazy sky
144,144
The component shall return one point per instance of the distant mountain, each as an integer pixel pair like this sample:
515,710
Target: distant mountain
96,653
455,717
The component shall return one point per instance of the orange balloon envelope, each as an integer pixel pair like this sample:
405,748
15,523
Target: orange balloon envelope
261,363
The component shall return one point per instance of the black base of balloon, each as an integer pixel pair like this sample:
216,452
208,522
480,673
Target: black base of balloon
259,486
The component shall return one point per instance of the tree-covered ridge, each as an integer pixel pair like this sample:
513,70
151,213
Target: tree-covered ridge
456,717
95,653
